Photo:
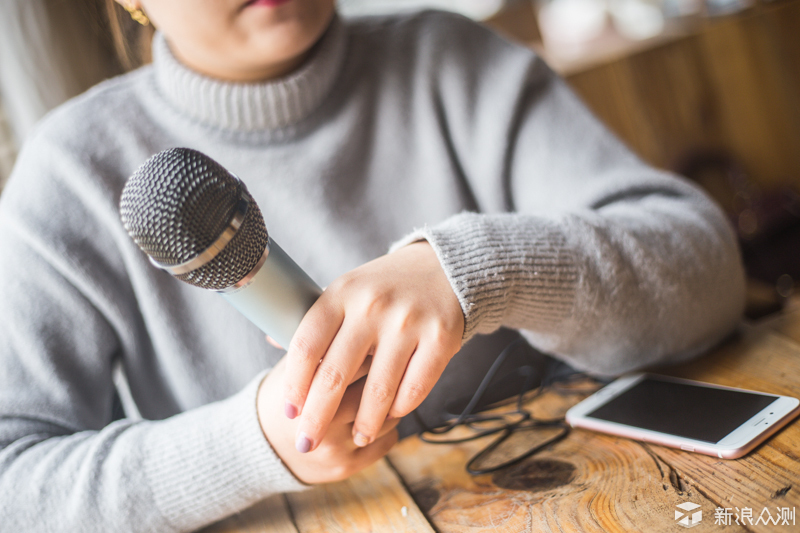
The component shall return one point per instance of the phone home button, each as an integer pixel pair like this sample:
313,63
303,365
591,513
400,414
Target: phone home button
687,448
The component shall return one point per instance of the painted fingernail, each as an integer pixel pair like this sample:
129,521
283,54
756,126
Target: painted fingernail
361,440
290,409
303,443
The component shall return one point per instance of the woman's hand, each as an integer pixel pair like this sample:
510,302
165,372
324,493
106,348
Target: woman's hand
400,309
336,457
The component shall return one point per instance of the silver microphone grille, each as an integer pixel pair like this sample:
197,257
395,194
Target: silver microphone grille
178,203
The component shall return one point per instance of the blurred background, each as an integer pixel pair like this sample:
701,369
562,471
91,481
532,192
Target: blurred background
707,88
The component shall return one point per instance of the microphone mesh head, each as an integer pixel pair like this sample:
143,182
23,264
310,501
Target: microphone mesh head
178,203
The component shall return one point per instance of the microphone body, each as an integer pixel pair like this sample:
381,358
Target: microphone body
277,297
196,220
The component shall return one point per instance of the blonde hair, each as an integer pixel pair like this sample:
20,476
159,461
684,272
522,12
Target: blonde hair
131,39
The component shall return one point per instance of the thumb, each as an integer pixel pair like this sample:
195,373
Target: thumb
274,342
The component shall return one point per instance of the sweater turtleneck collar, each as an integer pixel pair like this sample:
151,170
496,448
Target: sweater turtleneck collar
252,106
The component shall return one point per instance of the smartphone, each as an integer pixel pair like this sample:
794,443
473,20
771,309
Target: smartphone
697,417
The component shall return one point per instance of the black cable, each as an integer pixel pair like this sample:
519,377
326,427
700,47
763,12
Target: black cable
521,419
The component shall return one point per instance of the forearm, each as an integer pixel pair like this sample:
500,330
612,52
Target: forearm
178,474
634,282
597,257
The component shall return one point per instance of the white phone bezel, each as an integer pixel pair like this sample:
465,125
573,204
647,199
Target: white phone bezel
737,443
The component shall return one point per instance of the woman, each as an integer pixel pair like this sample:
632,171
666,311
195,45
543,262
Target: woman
530,215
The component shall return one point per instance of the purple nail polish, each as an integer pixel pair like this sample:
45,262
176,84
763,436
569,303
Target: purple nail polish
290,410
303,443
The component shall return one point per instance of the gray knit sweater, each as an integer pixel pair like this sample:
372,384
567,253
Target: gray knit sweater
396,129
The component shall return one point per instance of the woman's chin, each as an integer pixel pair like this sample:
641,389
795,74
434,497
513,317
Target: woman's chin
266,3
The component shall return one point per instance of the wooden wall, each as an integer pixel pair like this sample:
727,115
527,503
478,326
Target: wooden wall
730,83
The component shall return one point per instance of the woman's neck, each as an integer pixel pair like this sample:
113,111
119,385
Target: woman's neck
272,104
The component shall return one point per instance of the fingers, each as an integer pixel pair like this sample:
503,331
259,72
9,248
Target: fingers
309,344
340,430
422,373
369,454
363,370
390,361
274,343
344,357
348,407
388,426
358,312
359,458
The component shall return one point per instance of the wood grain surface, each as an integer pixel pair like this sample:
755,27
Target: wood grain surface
588,482
270,515
593,482
373,500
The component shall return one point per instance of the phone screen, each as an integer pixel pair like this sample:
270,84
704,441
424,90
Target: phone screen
698,413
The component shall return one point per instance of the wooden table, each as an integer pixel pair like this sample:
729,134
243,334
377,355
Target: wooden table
588,482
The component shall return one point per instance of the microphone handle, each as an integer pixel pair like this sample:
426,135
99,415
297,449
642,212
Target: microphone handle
278,296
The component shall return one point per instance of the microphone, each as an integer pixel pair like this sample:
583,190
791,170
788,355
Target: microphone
197,221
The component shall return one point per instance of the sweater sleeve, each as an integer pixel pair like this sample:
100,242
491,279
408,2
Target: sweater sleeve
64,466
596,257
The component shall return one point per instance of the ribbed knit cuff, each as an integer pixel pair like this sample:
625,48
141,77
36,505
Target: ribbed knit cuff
506,270
213,461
